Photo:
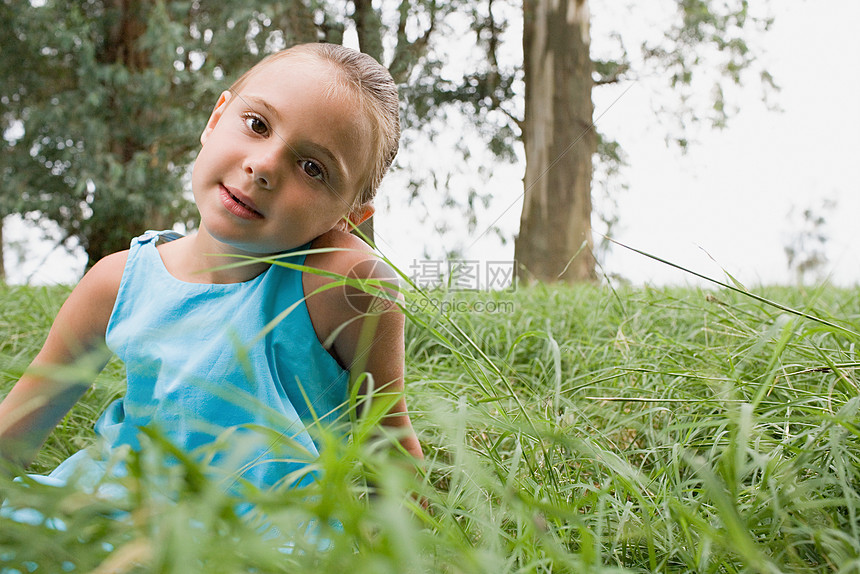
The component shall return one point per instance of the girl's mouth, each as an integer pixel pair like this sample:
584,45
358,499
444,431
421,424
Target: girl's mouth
239,205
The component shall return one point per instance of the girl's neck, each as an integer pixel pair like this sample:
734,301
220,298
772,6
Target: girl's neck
198,258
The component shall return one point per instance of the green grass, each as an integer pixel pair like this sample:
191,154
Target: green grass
577,430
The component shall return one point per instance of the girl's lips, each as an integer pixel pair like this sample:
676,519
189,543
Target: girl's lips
239,204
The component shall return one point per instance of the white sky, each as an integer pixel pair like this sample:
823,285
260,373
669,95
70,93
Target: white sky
729,198
732,194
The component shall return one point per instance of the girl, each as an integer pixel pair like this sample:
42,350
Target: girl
291,157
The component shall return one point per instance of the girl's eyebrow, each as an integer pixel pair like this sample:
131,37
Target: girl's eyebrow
338,167
273,111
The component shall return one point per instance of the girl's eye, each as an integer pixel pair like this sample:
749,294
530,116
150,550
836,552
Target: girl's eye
312,169
256,125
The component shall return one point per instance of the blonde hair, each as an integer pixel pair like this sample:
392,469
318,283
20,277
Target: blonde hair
377,94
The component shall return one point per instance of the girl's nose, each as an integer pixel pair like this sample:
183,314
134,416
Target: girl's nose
262,168
258,176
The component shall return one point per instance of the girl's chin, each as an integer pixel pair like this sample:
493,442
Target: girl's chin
248,238
238,244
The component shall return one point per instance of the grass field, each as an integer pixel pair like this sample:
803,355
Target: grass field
566,430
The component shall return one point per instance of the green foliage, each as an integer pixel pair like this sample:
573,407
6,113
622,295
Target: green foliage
102,103
107,101
106,120
710,47
566,430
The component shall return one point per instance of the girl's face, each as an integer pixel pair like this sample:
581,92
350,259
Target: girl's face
283,160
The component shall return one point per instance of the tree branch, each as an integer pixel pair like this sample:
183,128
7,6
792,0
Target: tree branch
407,53
368,27
614,76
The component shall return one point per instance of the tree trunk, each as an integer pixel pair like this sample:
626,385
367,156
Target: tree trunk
368,27
554,242
296,21
370,30
105,233
2,259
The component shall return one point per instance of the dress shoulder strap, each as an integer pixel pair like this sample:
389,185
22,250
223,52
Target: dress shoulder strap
158,236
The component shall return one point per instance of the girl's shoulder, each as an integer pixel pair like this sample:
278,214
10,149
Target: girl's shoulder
332,308
346,251
344,255
103,279
82,321
96,293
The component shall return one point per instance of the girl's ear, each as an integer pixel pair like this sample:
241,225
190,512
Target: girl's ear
216,115
357,217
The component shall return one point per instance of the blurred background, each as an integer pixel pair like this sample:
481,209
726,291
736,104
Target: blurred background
725,139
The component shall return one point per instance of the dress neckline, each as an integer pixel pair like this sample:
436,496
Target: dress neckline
156,238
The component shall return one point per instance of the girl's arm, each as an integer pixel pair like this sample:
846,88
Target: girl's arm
52,384
371,335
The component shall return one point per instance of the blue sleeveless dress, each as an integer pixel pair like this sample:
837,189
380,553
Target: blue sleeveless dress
233,374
